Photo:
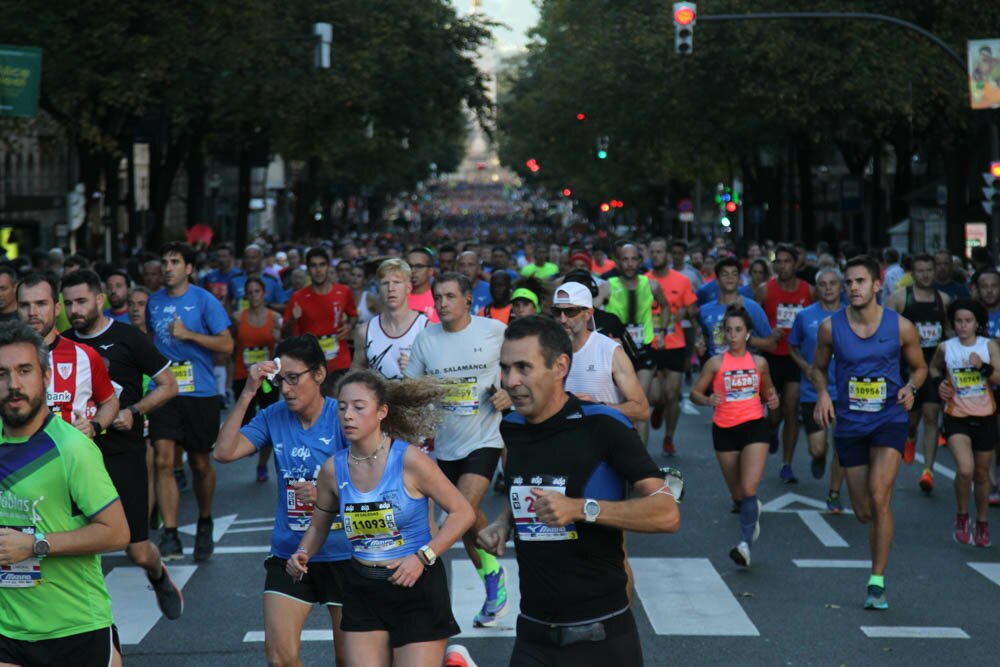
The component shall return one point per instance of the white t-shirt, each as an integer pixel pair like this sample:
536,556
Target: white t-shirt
469,361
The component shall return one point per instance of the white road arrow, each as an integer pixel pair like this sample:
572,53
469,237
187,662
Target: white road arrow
220,525
812,518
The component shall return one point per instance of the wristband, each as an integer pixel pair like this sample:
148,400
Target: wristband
912,387
986,370
300,550
134,410
96,425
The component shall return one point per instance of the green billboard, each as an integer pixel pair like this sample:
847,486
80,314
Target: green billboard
20,80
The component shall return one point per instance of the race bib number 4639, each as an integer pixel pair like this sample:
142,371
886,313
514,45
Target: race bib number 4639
526,522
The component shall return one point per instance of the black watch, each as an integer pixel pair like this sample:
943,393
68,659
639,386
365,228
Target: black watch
96,425
134,410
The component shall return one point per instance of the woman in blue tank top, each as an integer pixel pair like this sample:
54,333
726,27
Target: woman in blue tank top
396,603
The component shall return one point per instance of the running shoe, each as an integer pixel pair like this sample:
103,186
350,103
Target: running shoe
876,598
909,451
457,655
169,598
668,446
818,467
741,554
170,545
942,441
656,417
983,534
994,497
495,605
963,529
927,481
204,545
261,473
833,505
181,476
788,475
773,443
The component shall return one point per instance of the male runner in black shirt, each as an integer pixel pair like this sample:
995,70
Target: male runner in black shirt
567,464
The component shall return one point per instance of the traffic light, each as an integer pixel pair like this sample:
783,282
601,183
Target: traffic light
992,189
602,147
605,207
532,165
731,207
566,192
581,117
685,16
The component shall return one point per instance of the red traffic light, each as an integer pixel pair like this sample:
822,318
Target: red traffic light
684,13
605,207
617,203
995,169
567,192
581,116
532,165
730,207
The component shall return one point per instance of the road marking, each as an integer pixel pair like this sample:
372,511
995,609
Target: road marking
220,525
262,519
467,595
830,563
782,503
989,570
912,632
133,601
687,596
307,636
249,549
823,531
938,468
255,529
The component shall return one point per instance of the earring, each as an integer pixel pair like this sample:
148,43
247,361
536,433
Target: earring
748,338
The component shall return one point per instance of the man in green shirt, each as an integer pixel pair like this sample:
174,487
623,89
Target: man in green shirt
541,268
58,512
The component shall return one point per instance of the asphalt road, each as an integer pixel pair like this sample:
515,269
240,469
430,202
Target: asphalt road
798,604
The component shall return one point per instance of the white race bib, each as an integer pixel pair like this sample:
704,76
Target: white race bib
526,522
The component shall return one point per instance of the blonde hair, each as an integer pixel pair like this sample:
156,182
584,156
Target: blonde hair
394,265
411,402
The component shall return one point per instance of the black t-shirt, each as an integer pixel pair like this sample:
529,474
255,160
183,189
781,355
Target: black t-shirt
9,317
587,450
129,354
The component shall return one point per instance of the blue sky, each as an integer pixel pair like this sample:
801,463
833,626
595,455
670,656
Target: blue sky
519,15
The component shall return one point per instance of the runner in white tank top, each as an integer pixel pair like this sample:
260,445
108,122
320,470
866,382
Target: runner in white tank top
383,351
383,343
591,371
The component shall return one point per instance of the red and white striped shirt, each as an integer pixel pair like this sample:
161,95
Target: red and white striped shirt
79,380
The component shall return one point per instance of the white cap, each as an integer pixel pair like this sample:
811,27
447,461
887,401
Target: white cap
573,294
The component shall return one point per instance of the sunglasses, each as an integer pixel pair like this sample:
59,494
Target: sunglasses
570,312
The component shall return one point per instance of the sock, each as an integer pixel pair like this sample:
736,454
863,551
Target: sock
204,520
490,564
156,580
877,580
170,531
220,379
748,518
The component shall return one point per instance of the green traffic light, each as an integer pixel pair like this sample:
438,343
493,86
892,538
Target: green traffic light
601,155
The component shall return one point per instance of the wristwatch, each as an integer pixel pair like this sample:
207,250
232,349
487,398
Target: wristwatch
41,547
135,411
591,510
98,429
429,557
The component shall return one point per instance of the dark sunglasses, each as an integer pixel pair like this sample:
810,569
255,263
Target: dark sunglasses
570,312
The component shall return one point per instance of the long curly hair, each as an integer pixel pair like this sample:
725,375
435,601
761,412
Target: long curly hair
412,412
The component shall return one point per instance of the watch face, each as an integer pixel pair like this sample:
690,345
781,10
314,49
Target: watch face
591,508
41,548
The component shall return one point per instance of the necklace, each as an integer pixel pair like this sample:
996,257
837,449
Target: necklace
373,456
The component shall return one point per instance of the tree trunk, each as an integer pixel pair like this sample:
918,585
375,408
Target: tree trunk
243,198
163,168
133,219
195,168
806,213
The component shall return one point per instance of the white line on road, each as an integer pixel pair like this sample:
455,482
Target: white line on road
262,519
823,531
307,636
468,594
255,529
989,570
133,601
912,632
938,468
220,525
831,563
687,596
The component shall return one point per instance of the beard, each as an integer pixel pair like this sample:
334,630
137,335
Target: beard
17,419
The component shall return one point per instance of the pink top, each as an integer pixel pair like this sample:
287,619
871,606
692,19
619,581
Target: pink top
738,383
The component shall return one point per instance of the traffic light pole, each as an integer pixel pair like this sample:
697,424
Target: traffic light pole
995,211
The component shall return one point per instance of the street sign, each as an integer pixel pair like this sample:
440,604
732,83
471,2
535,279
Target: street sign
686,216
20,80
984,73
685,205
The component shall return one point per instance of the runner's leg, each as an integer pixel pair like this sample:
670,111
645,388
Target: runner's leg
284,618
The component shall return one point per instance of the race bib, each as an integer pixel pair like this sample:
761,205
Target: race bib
866,394
637,333
25,574
969,382
462,397
526,522
330,345
371,527
300,513
929,333
254,355
741,385
184,372
787,313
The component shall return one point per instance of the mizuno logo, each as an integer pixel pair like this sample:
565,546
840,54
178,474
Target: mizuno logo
325,441
189,308
106,347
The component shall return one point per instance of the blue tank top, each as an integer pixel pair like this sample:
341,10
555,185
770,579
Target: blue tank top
385,523
868,377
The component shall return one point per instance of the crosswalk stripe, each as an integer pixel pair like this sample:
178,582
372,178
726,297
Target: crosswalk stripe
468,594
687,596
133,602
912,632
989,570
832,563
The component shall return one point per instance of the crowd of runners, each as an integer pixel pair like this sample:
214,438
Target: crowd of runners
386,381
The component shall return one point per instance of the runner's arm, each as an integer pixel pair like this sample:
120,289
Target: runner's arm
708,372
897,301
430,481
912,353
165,389
796,354
105,531
220,342
107,412
230,444
821,357
936,369
994,361
653,510
635,405
327,506
360,360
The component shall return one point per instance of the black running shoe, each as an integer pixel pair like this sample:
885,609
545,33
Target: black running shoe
170,546
204,545
168,596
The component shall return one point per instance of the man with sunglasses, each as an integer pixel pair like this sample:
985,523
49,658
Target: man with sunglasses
326,310
188,325
421,298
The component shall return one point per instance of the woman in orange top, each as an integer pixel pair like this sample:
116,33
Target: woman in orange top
740,433
258,330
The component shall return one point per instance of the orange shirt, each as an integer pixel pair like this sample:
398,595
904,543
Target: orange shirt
253,344
424,303
676,287
738,383
494,312
323,316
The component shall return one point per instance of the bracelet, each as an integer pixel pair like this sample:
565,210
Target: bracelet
912,387
300,550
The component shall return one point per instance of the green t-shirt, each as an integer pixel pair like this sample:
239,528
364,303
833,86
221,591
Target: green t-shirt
52,482
541,272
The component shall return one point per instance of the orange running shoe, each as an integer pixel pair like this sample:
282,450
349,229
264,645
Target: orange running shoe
927,481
